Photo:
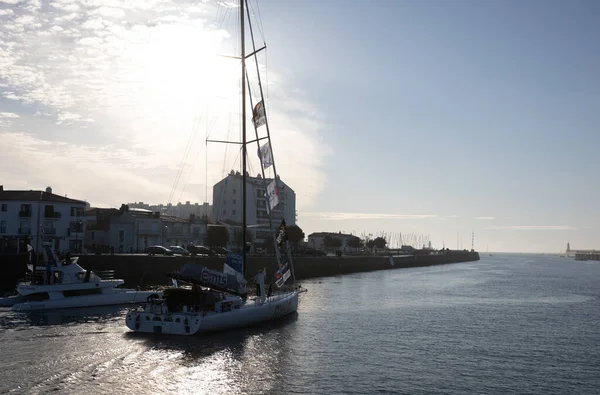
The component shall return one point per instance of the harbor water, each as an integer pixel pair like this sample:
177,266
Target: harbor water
526,324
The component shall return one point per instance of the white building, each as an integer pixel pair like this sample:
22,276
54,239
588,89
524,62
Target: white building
227,203
41,216
316,240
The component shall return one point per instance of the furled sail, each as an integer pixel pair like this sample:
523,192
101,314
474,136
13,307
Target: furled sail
197,274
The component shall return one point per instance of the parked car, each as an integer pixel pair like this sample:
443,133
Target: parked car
160,250
177,250
220,251
199,250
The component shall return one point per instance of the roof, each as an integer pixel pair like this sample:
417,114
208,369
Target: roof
36,196
97,210
257,181
332,234
172,219
140,210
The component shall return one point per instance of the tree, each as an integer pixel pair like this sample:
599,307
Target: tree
238,237
332,242
217,236
370,243
379,242
354,242
295,236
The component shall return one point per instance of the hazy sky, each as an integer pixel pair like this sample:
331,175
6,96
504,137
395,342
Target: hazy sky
423,117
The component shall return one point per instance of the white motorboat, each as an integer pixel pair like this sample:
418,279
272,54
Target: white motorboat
65,284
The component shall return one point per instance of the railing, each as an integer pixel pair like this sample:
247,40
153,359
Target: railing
52,215
25,213
105,274
24,231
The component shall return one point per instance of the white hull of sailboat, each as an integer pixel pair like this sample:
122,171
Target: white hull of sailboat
249,313
118,297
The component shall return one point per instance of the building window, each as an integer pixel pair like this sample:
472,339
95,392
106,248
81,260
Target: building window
233,212
25,228
4,207
75,226
49,228
92,235
234,191
224,202
121,235
2,226
233,201
77,212
25,210
224,212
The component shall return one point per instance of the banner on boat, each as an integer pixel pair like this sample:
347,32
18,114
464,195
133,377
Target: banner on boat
281,234
283,270
272,195
282,278
197,274
259,116
266,156
235,262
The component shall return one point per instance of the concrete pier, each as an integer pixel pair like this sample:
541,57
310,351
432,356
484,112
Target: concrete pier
143,270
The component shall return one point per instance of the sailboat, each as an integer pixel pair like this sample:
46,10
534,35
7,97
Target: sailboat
218,300
487,250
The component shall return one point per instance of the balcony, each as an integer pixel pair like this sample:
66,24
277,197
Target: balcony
24,231
52,215
148,232
25,213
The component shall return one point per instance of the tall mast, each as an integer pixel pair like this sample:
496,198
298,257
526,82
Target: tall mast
243,137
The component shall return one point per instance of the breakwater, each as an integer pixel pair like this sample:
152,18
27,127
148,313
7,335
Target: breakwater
587,256
143,270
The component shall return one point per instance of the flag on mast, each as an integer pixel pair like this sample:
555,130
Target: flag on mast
259,116
272,195
266,155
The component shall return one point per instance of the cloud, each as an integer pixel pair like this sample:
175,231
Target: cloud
141,83
532,227
334,216
8,115
485,218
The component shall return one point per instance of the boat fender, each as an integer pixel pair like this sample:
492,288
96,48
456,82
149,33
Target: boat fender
187,325
137,322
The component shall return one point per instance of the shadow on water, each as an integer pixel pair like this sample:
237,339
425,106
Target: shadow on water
81,315
204,345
